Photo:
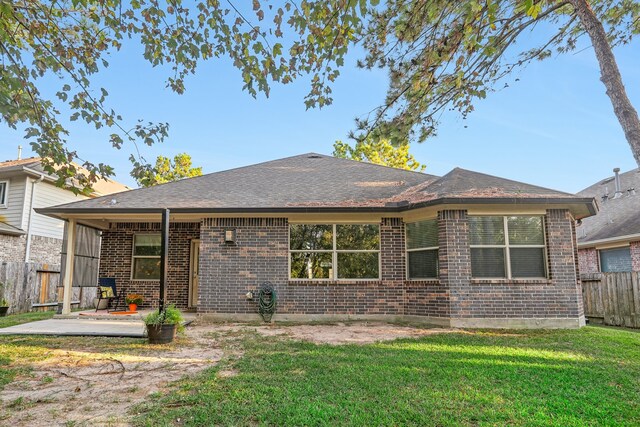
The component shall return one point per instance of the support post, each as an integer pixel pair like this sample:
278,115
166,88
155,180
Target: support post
164,258
68,267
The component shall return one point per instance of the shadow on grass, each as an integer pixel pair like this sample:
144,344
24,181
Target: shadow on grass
533,378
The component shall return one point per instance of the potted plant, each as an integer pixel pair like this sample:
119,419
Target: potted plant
162,326
134,300
4,307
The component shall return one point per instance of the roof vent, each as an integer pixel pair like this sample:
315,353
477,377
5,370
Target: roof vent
618,192
314,156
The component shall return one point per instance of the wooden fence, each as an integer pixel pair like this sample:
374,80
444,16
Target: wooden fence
612,298
30,286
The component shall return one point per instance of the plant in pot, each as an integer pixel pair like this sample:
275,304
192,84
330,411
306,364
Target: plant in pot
4,307
134,300
162,326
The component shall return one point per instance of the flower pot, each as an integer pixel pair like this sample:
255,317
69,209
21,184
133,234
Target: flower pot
133,307
161,334
3,311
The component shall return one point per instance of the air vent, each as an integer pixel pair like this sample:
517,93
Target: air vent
314,156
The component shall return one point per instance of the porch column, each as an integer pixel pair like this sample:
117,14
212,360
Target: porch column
164,258
68,267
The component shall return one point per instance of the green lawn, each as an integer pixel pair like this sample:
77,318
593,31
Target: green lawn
562,378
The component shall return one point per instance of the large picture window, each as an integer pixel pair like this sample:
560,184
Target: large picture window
422,249
146,257
507,247
334,251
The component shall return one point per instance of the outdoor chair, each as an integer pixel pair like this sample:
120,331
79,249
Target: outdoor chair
107,291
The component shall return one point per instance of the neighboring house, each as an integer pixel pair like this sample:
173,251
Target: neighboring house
341,239
26,235
610,240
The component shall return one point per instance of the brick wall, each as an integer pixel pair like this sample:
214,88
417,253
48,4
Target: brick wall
557,297
115,260
12,248
260,253
45,249
588,260
228,272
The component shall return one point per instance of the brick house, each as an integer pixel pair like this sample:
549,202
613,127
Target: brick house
610,240
341,239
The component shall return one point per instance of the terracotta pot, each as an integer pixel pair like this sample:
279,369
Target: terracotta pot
161,334
133,307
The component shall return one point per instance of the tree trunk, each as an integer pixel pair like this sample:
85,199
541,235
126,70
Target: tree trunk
610,75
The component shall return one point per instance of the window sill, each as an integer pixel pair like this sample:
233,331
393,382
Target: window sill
510,281
328,282
422,281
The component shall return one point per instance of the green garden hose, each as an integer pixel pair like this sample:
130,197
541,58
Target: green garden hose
267,299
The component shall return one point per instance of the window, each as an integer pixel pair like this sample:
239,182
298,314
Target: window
334,251
422,249
615,260
507,247
146,257
4,185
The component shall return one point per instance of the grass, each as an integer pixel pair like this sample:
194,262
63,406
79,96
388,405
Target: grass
539,378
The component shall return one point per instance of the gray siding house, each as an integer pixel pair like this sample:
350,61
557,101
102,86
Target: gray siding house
26,235
340,239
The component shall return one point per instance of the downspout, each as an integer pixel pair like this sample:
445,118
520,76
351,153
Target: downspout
27,252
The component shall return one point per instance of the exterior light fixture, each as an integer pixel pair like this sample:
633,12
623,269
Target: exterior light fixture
230,236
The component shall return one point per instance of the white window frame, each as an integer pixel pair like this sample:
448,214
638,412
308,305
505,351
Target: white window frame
407,250
334,253
507,246
134,256
5,203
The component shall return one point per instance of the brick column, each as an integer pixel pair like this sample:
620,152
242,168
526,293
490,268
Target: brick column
588,260
454,258
561,244
392,250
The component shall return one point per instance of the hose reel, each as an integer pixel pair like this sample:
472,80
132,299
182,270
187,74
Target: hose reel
267,299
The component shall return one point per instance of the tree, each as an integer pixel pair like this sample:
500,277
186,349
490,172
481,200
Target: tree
72,39
379,152
440,55
443,55
166,170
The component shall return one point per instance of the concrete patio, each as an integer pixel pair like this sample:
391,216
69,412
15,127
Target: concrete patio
88,323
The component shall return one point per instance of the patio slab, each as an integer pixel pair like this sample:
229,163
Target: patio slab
80,327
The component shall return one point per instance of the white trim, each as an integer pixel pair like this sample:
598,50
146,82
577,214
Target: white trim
334,253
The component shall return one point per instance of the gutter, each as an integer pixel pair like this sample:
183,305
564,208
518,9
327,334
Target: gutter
27,252
392,207
593,243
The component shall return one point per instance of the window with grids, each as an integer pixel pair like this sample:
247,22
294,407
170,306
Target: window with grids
3,194
334,251
422,249
507,247
146,257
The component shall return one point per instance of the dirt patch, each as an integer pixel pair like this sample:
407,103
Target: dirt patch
340,333
81,387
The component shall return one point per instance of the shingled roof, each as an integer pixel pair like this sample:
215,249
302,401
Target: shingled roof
33,165
315,182
617,217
